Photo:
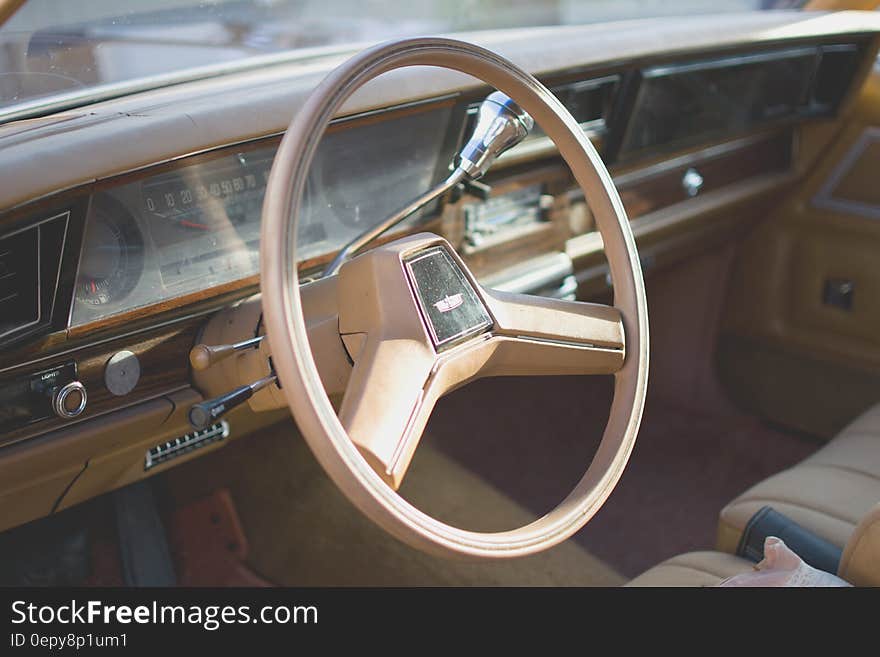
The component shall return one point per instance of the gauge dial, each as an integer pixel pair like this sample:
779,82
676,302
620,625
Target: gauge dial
113,257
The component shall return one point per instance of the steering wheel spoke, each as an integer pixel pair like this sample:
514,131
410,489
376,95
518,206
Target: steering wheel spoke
387,404
552,336
398,372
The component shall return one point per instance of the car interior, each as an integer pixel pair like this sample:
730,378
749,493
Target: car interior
557,305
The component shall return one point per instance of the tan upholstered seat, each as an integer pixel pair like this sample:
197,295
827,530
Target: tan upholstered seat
693,569
828,493
860,564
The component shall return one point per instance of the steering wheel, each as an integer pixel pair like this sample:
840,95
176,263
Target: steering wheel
416,324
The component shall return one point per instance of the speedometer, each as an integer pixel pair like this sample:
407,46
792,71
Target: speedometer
113,257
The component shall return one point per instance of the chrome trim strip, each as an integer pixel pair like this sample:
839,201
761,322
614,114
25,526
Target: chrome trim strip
569,344
35,224
733,60
690,216
534,275
120,336
541,147
702,155
399,448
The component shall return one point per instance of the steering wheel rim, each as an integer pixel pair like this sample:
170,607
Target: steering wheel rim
287,333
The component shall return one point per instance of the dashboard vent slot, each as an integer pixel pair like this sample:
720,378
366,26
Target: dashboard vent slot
19,281
30,261
185,444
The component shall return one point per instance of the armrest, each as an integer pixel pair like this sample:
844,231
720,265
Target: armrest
814,550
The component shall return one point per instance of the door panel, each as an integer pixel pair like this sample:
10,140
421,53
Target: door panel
800,341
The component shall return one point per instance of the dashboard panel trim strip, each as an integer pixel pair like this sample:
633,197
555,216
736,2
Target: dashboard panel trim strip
695,157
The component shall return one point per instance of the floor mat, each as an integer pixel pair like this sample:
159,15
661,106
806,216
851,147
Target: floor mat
207,545
303,532
533,438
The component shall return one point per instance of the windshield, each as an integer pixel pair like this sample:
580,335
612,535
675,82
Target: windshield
60,48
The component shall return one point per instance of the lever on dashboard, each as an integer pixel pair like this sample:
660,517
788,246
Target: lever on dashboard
207,412
202,356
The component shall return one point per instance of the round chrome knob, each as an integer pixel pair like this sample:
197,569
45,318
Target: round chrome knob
69,400
692,182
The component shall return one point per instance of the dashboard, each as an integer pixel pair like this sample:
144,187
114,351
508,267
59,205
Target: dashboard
125,227
194,224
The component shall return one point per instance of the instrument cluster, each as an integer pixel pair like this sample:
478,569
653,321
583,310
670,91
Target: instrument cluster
194,224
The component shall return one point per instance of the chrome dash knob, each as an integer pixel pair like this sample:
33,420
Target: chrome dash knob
692,182
69,400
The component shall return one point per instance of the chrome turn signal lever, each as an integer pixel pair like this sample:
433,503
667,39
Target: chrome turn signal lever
501,124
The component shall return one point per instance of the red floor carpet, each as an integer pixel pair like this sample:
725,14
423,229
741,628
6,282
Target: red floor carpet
686,465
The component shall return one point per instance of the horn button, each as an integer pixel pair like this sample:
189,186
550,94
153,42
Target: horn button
450,306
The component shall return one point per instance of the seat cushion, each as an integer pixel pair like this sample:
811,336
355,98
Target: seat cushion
693,569
828,493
